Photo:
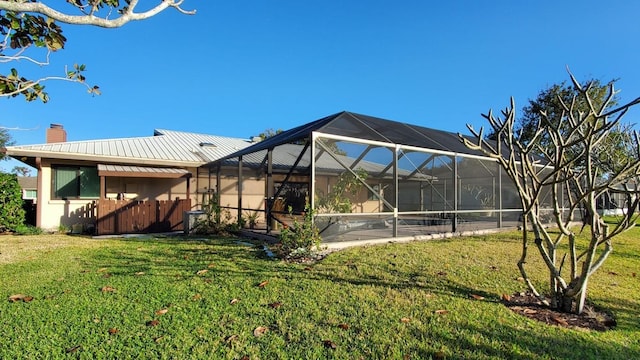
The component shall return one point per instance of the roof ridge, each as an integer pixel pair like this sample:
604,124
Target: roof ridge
161,132
86,141
132,138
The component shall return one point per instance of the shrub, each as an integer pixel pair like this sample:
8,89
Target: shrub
28,230
11,212
302,238
215,219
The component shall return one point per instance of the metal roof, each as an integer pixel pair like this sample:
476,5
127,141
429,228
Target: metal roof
141,171
166,147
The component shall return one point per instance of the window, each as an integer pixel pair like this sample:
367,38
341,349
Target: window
30,194
75,182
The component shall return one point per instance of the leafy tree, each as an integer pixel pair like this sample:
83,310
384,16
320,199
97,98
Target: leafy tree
550,102
29,25
11,211
5,140
21,170
269,133
549,106
578,138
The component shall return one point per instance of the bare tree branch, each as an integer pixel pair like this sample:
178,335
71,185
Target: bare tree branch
32,25
90,19
568,144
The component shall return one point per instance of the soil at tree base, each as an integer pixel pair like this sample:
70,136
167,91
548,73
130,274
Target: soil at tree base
528,305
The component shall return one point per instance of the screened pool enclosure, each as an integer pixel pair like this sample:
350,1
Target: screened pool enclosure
365,178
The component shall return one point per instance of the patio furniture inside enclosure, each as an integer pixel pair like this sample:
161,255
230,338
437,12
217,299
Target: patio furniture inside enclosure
367,178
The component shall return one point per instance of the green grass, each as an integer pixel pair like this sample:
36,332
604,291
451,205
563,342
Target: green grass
374,302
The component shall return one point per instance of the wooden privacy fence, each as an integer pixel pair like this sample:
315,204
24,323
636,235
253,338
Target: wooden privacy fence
127,216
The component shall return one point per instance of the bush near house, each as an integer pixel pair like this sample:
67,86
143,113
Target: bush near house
11,211
301,239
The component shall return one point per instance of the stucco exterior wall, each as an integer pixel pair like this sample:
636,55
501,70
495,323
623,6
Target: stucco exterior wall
146,188
360,202
54,213
253,195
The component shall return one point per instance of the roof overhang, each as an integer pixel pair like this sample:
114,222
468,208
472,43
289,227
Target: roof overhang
28,157
141,171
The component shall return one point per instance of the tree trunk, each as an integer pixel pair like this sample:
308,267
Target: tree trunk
575,302
582,297
565,303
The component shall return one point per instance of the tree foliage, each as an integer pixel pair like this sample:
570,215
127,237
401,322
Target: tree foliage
11,211
549,106
21,171
269,133
550,102
558,158
346,187
5,140
26,26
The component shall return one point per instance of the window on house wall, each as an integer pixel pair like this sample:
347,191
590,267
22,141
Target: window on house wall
30,194
75,182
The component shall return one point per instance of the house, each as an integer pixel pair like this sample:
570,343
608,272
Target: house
363,177
150,180
29,186
615,201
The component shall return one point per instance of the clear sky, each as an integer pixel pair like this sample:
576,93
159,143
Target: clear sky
239,67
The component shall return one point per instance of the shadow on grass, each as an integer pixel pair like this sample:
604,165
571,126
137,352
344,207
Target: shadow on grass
234,259
524,344
175,257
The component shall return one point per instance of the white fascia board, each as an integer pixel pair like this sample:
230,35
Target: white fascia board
102,158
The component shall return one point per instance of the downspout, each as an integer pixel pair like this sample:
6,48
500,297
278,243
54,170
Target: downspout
217,193
239,189
103,196
189,185
40,194
270,199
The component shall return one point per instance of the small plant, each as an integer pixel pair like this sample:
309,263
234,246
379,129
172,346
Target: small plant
216,219
28,230
251,218
301,239
235,226
211,222
63,229
339,199
484,196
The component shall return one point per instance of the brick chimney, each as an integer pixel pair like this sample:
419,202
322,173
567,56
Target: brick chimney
56,134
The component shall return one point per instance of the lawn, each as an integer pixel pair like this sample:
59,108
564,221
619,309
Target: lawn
215,298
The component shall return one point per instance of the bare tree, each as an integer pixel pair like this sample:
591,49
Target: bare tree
565,170
25,25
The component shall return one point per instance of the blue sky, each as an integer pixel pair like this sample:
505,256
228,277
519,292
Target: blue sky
239,67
